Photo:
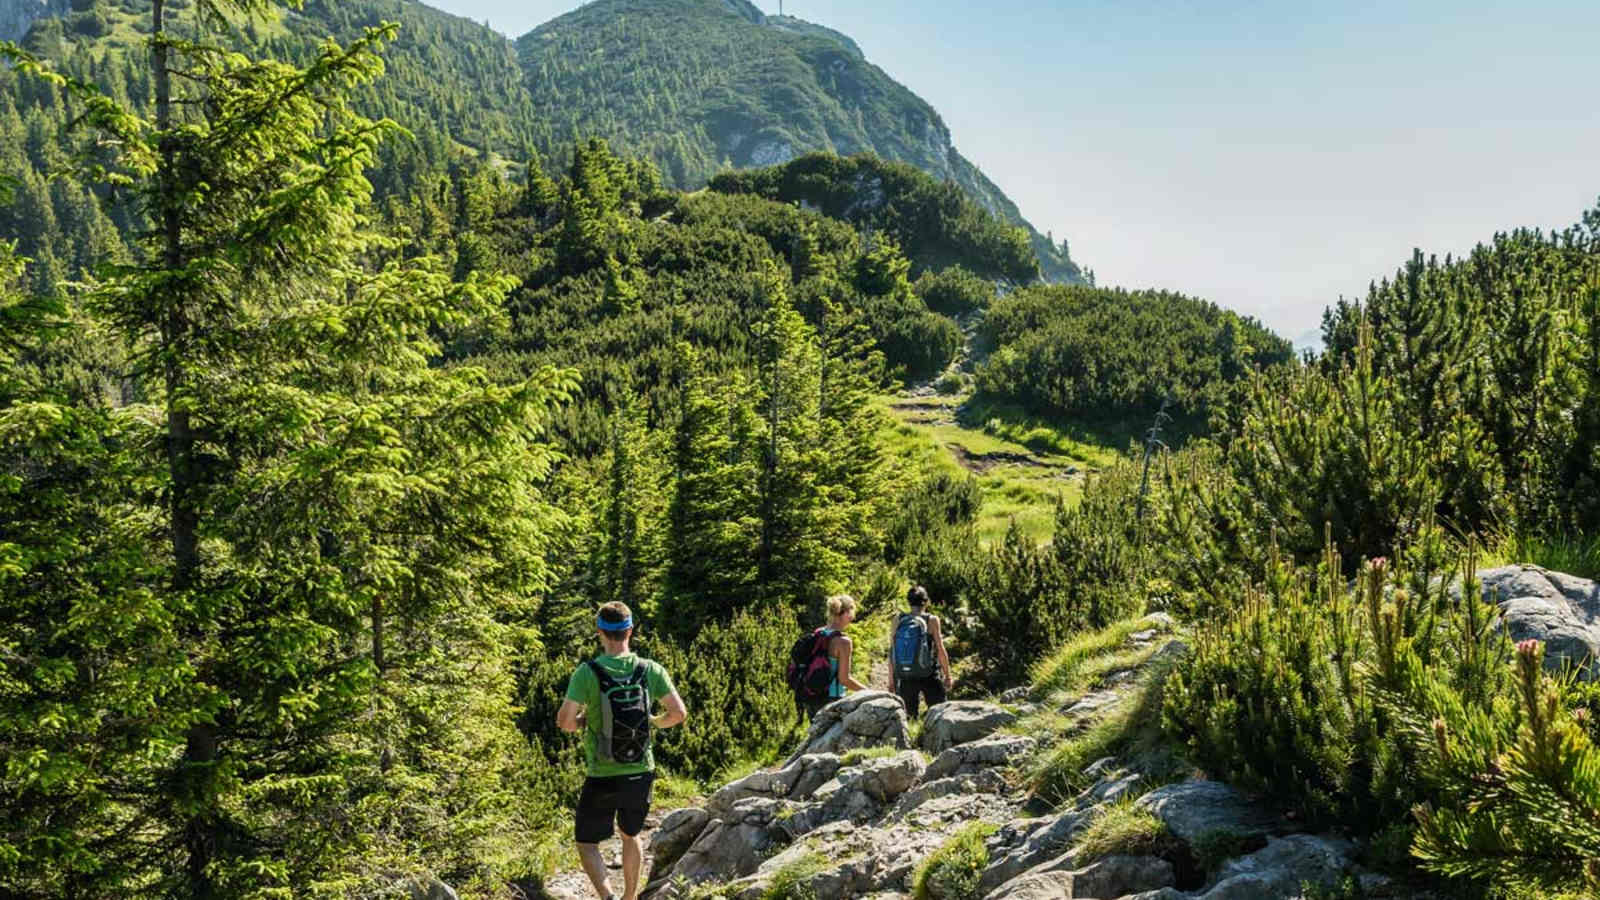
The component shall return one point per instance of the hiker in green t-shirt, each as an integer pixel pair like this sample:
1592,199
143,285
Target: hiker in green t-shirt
609,698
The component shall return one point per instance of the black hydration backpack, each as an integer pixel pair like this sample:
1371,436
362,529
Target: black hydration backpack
625,716
913,647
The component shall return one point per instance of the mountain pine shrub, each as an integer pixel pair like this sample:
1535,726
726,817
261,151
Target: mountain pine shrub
1522,812
732,675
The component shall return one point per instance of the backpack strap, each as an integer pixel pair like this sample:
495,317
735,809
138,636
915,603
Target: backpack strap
606,681
638,676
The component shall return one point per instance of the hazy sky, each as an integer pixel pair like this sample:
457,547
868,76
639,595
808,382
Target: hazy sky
1268,156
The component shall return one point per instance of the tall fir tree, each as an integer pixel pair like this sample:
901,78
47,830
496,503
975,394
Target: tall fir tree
351,537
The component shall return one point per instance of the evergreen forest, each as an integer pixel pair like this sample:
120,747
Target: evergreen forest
338,386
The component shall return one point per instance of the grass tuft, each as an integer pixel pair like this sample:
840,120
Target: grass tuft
953,871
792,881
1124,829
861,754
1087,657
1130,729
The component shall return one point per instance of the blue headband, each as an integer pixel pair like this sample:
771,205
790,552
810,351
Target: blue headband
624,625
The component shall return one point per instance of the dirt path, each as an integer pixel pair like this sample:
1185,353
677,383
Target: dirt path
981,463
574,885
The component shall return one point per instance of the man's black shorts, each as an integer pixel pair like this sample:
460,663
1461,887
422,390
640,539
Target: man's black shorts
622,799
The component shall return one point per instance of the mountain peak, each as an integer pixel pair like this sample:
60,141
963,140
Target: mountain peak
702,86
17,16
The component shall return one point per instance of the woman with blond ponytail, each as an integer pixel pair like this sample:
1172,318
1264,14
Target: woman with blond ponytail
841,612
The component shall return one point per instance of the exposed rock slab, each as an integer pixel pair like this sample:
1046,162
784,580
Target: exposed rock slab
1282,867
865,719
960,721
676,833
797,780
1193,809
968,758
1559,610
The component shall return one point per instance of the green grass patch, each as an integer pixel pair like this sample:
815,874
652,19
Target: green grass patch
924,437
1124,829
952,872
1130,729
737,770
792,881
861,754
1091,655
1578,555
1092,445
672,791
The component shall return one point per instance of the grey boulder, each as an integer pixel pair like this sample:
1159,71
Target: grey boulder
1193,809
968,758
1559,610
959,721
865,719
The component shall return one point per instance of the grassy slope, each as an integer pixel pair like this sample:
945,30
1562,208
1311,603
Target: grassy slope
928,434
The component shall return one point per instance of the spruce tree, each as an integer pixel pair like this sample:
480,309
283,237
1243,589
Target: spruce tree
350,536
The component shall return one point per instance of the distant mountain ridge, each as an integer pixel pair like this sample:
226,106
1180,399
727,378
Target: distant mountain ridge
17,16
696,86
700,86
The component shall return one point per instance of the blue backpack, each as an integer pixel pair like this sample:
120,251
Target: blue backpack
913,647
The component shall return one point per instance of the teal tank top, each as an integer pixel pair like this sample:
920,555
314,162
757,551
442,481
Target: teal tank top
835,689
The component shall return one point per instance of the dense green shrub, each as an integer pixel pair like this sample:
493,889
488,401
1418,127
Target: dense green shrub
937,224
1360,704
1504,337
930,507
1101,547
955,291
922,344
1522,812
731,677
1109,354
1023,607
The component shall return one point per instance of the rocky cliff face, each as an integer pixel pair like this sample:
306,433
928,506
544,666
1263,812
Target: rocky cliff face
17,16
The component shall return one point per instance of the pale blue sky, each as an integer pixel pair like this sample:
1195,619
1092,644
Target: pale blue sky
1269,156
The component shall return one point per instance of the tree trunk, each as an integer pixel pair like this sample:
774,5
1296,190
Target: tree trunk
200,746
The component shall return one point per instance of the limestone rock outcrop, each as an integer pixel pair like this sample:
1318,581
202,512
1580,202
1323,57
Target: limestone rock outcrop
961,721
867,719
1561,611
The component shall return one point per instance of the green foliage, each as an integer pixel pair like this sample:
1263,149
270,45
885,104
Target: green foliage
1108,354
1032,598
934,221
1023,607
730,674
1503,337
952,872
1528,815
955,291
314,548
1123,829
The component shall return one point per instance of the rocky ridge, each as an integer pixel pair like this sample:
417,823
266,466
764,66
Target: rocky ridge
17,16
859,807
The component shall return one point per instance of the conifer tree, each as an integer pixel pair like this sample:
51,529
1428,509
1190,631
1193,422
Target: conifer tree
713,524
351,536
795,558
